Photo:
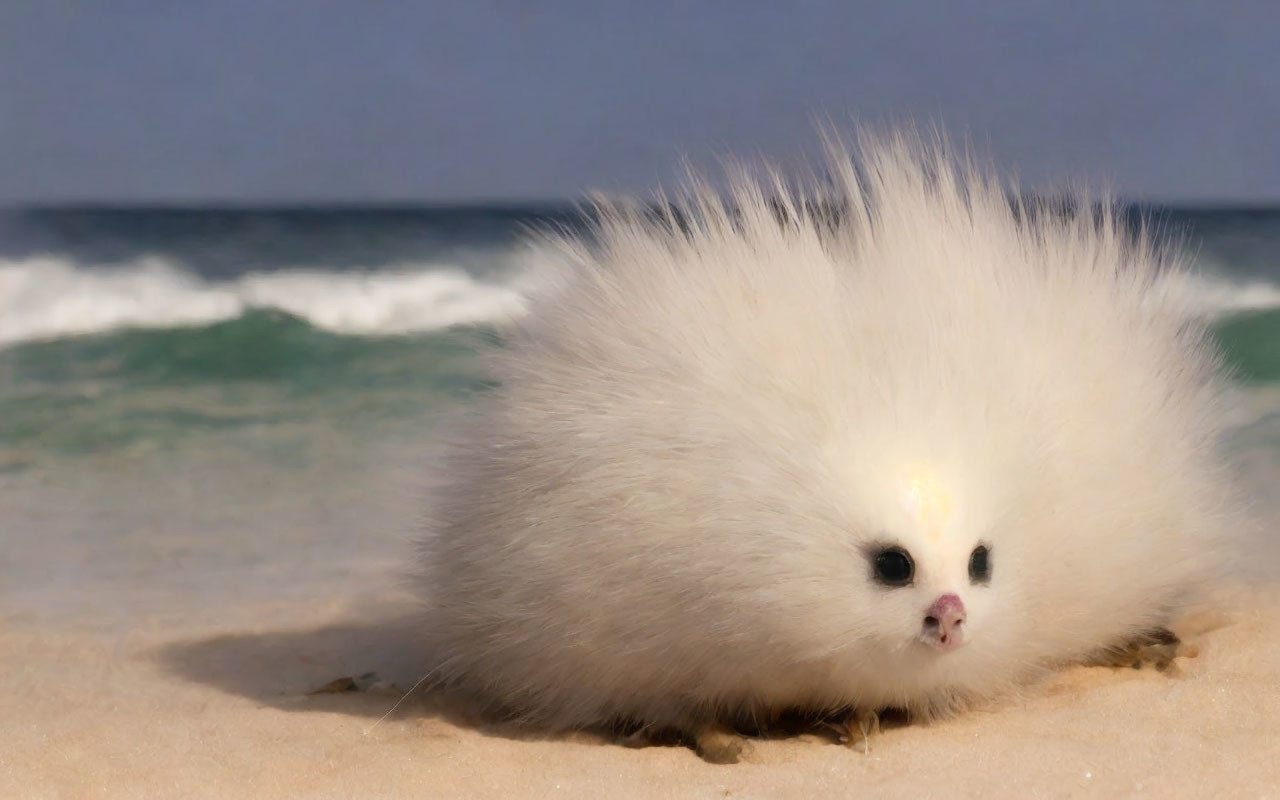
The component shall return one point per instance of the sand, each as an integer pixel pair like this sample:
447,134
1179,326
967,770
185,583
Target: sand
176,709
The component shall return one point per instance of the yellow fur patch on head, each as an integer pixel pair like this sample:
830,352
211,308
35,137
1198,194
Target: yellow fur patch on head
928,500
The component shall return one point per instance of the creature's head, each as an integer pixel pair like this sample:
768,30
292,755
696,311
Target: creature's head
930,568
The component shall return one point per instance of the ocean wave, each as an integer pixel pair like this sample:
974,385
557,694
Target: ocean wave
48,298
1219,295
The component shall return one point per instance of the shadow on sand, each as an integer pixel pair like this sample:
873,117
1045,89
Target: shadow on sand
282,670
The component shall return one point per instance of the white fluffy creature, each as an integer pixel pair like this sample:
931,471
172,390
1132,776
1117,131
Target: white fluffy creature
888,440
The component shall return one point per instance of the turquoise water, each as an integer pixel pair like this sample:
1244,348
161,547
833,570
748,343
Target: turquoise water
1251,343
264,368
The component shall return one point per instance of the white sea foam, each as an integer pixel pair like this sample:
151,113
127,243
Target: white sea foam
1220,295
46,298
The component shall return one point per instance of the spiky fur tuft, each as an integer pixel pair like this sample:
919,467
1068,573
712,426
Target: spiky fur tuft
663,512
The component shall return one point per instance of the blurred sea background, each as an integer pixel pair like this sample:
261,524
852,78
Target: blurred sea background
207,407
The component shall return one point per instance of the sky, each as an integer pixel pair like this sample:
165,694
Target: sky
319,101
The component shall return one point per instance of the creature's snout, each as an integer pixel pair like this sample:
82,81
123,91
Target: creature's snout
944,623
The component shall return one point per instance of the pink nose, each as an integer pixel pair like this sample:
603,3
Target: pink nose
944,623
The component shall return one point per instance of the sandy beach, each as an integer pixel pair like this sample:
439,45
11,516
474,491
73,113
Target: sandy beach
218,710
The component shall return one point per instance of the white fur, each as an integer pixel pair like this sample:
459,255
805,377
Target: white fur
662,512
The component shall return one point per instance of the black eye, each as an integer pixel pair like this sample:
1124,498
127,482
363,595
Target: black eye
893,566
980,565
